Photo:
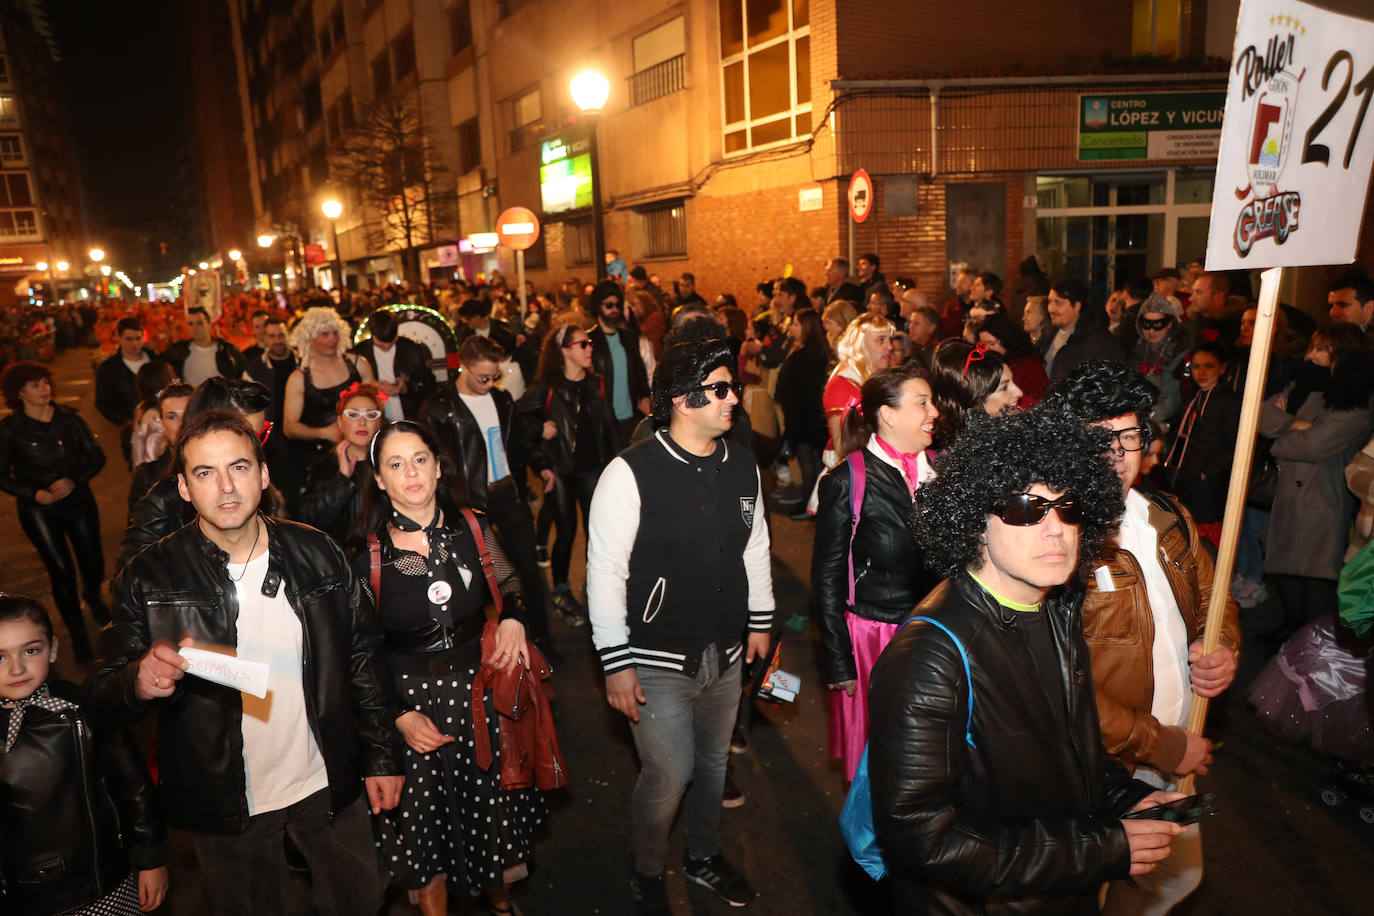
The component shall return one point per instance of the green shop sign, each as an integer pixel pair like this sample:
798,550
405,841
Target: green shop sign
1150,125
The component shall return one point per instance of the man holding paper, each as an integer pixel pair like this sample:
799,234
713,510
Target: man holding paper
239,770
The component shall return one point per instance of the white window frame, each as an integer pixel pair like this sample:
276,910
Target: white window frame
20,156
791,36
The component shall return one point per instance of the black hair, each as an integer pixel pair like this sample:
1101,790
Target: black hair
1352,380
997,457
695,331
1220,351
602,291
177,389
383,326
765,288
260,313
1354,278
872,259
549,371
795,287
991,281
883,389
473,308
1140,288
960,385
682,369
1010,334
219,393
21,607
375,509
198,310
129,324
16,376
213,421
1074,290
1101,389
478,349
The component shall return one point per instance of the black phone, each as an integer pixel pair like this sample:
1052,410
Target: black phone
1187,810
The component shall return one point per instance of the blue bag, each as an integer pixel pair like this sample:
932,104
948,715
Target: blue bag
856,817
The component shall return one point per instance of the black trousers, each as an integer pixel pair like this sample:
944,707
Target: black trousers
510,516
1303,598
74,520
569,492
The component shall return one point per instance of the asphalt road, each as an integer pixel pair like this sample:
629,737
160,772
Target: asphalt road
1274,848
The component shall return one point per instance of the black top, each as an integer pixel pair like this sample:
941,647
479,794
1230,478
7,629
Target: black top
406,579
35,454
1041,645
320,406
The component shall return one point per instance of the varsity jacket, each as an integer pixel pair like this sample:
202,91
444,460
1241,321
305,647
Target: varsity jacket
677,556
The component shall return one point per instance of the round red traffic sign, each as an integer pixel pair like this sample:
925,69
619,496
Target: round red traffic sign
517,228
860,195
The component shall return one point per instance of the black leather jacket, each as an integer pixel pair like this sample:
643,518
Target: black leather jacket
331,501
182,586
161,511
412,361
78,810
228,359
1026,821
34,455
605,366
456,429
889,575
567,405
116,388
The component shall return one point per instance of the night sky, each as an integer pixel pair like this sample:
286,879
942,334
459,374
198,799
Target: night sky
124,73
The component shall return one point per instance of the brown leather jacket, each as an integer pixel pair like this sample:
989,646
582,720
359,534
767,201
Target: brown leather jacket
1120,633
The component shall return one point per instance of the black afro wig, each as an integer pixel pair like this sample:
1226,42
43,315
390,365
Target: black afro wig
1101,389
998,457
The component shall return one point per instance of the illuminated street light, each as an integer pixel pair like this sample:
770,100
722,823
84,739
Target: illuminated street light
105,269
332,209
590,91
62,265
204,265
41,266
235,254
265,241
97,254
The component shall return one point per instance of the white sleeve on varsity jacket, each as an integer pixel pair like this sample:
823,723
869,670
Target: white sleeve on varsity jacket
758,566
612,526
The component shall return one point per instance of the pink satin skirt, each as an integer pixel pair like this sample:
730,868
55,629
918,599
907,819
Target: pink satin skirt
849,715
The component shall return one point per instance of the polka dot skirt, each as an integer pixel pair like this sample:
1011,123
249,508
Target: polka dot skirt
454,819
122,901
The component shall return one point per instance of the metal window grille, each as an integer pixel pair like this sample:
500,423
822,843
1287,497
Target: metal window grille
663,231
659,80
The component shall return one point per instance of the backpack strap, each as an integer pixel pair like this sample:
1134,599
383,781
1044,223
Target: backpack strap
374,574
858,481
968,674
488,568
548,401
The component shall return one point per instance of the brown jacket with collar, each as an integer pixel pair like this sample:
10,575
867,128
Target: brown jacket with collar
1119,629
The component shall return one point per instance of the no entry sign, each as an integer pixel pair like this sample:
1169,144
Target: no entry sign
860,195
517,228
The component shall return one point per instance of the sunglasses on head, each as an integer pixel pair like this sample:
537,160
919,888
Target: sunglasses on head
1156,324
722,389
354,413
1025,509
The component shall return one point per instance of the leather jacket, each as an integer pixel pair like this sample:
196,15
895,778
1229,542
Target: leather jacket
456,429
161,511
116,388
229,360
1025,821
34,455
889,574
568,405
604,366
1119,628
332,501
79,810
182,585
412,361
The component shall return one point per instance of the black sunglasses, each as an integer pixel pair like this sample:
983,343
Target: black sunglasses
1025,509
722,389
1156,324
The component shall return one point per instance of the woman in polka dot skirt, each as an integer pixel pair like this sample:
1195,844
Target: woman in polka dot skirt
455,828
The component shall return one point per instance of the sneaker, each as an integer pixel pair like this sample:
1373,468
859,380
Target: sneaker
739,743
720,876
569,608
650,895
733,796
541,556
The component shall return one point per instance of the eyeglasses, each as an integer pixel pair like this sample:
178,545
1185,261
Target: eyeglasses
979,351
1026,509
1156,324
1132,439
583,344
354,413
722,389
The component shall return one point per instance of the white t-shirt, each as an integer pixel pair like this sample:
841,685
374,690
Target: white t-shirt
200,364
483,407
386,372
136,364
282,763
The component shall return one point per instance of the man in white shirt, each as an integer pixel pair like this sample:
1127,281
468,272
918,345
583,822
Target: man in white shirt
1143,619
400,365
204,355
116,381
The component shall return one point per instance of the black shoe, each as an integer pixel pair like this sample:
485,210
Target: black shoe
739,743
650,895
720,876
733,797
541,556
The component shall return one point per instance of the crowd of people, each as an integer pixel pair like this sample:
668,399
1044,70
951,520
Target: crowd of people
1042,477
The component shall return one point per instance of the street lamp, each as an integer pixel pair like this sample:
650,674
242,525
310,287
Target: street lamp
332,210
41,266
62,266
590,91
97,254
265,241
204,265
235,255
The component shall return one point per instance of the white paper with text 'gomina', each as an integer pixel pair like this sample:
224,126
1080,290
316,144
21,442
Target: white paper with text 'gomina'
218,668
1297,140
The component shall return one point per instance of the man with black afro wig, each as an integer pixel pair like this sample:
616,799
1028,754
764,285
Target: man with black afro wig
1143,620
988,775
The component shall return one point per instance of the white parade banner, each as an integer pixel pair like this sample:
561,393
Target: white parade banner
1297,140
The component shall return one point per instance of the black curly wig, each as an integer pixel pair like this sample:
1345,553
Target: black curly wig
1101,389
998,457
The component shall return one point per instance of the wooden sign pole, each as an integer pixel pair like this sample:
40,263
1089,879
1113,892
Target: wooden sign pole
1255,376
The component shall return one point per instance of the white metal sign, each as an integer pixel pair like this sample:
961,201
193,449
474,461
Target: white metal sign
860,195
1297,142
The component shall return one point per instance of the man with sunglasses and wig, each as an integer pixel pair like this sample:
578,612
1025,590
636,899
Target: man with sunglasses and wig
680,594
991,789
1143,619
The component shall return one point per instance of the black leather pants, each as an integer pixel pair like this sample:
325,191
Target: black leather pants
74,520
569,492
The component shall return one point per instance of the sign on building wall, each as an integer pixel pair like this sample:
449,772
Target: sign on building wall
1293,173
565,173
1149,125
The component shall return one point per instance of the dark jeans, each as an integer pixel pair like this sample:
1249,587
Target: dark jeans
247,872
570,491
683,739
510,516
75,519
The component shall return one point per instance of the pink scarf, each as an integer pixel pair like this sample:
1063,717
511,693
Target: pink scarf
910,469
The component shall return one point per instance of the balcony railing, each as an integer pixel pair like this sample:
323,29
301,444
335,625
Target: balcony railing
659,80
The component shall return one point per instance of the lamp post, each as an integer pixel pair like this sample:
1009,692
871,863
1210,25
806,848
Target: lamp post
590,91
332,209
